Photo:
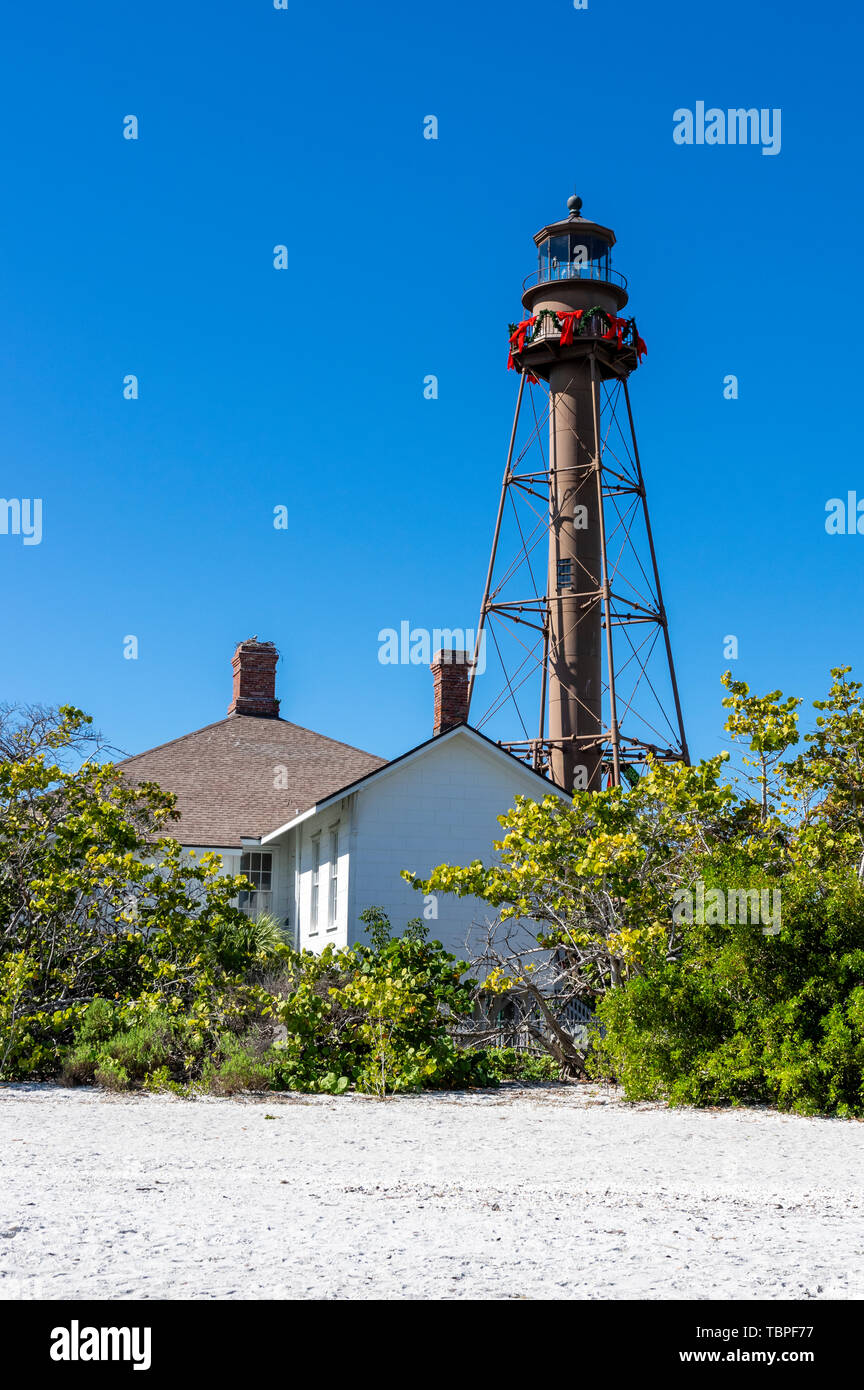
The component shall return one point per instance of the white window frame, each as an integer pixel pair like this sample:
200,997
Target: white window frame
315,885
260,899
333,884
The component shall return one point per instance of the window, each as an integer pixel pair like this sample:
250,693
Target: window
559,251
258,868
333,900
316,880
565,574
574,256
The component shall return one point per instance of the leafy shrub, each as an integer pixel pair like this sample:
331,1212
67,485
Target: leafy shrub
747,1018
98,903
511,1064
375,1017
692,1011
151,1053
111,1075
240,1068
405,990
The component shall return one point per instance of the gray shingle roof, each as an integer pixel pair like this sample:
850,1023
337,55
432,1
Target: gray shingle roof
225,776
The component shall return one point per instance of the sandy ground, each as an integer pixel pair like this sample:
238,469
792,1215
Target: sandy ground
552,1192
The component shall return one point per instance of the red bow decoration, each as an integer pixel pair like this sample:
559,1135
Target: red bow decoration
616,330
517,340
568,324
517,343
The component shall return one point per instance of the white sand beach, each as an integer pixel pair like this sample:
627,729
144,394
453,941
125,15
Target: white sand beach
526,1193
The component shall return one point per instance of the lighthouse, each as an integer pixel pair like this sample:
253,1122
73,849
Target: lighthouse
575,349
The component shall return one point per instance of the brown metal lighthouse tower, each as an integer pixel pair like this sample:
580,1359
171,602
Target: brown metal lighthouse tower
580,590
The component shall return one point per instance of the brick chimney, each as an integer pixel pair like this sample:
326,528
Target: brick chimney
450,671
254,665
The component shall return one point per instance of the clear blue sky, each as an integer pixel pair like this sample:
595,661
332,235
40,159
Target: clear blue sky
304,388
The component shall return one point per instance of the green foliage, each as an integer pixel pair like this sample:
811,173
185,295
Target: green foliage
768,723
124,961
824,786
236,1067
699,1011
403,988
151,1054
738,1015
509,1064
96,902
260,938
376,1017
745,1017
600,875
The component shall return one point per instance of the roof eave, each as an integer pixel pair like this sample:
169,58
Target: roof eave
458,729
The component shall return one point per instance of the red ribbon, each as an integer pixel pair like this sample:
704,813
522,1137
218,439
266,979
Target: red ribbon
616,330
517,340
517,344
568,323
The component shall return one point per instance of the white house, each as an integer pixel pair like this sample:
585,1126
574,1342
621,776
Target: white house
324,830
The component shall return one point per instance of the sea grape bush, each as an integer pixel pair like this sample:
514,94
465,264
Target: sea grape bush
697,1011
741,1017
124,960
373,1018
98,903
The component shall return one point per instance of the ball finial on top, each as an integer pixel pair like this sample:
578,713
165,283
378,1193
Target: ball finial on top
575,205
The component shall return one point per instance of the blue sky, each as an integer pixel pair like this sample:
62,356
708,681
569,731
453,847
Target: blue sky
258,388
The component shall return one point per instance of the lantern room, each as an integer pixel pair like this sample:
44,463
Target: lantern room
574,256
571,251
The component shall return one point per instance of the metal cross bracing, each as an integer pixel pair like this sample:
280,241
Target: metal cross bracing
641,710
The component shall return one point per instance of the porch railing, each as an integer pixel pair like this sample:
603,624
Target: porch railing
575,270
512,1032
